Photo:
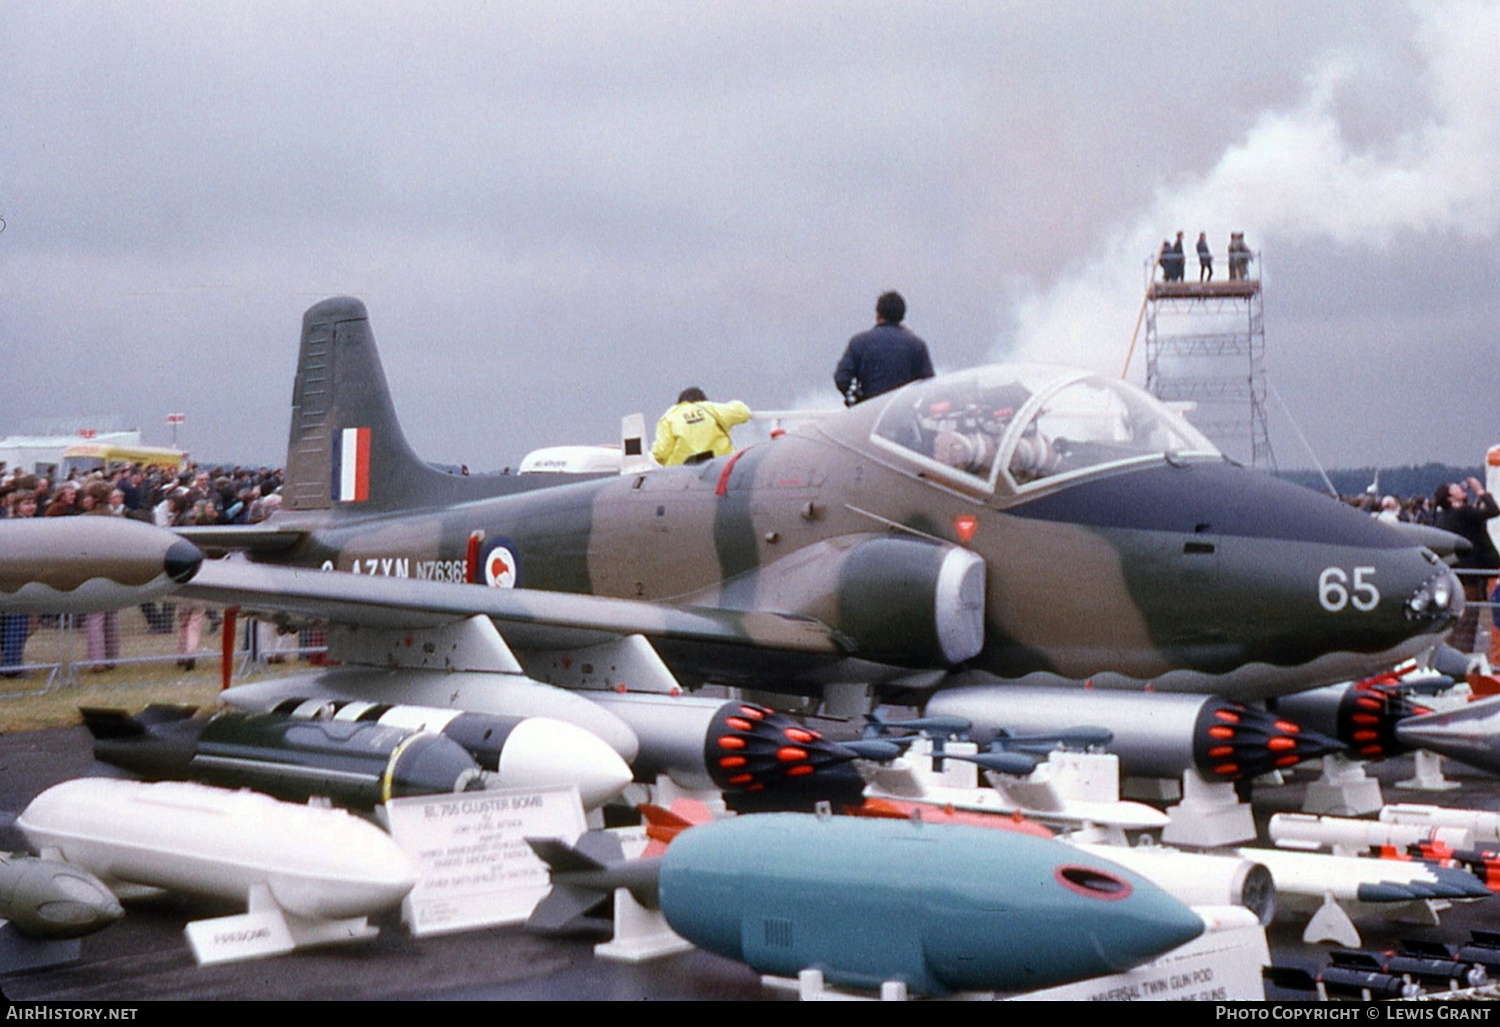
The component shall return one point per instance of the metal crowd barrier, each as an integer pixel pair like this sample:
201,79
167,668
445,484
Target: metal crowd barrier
55,651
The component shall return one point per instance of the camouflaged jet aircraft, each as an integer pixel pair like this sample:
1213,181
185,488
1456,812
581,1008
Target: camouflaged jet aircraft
996,524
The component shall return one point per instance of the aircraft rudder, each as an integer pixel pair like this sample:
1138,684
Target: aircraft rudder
345,443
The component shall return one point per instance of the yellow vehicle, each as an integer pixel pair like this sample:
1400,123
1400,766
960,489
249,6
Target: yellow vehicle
96,456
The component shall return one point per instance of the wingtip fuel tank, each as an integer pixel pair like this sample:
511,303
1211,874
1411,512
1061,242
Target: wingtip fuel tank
83,564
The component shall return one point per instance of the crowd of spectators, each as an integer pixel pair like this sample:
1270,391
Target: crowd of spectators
195,495
1463,508
166,498
1410,510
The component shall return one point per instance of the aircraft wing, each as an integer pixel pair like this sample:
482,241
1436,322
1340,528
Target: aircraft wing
526,618
253,538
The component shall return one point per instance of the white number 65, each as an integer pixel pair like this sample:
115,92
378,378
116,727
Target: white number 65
1334,592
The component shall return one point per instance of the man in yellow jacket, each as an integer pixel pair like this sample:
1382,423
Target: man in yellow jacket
694,426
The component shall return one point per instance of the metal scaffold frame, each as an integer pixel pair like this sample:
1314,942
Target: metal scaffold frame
1206,346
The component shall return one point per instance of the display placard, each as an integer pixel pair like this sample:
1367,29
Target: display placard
474,866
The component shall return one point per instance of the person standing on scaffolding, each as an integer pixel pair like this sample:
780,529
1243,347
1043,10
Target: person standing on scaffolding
1239,257
1173,262
1205,259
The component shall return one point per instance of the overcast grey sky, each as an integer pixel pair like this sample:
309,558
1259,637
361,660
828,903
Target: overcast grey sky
561,212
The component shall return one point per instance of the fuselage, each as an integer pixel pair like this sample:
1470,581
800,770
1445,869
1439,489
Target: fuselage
1097,557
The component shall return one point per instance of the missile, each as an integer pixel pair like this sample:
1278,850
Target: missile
1197,878
1483,948
1303,877
759,758
1358,975
1357,982
506,695
358,765
1310,833
880,750
1483,864
942,908
1082,737
1156,734
1482,824
84,564
1469,734
314,862
1430,962
47,898
521,752
1009,753
1422,968
662,825
1071,788
943,813
933,727
1364,716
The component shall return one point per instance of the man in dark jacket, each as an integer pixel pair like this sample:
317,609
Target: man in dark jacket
884,358
1464,510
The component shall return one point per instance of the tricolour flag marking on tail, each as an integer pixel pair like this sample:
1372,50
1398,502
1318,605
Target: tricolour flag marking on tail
351,466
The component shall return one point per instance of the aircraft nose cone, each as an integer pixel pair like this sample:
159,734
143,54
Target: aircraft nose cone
182,561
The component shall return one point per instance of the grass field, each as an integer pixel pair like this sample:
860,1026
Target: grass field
149,674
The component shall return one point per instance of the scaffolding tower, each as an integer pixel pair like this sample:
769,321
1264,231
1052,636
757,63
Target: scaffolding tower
1206,352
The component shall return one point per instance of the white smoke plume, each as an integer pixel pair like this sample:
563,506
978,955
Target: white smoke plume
1295,177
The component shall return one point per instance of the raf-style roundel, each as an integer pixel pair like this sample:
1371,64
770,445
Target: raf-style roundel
500,567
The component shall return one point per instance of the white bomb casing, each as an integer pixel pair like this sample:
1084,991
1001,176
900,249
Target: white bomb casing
542,752
316,863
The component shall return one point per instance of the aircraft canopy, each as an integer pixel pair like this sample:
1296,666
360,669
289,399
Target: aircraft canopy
1013,425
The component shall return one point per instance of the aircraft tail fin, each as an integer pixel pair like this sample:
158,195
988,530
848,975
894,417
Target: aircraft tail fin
346,449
